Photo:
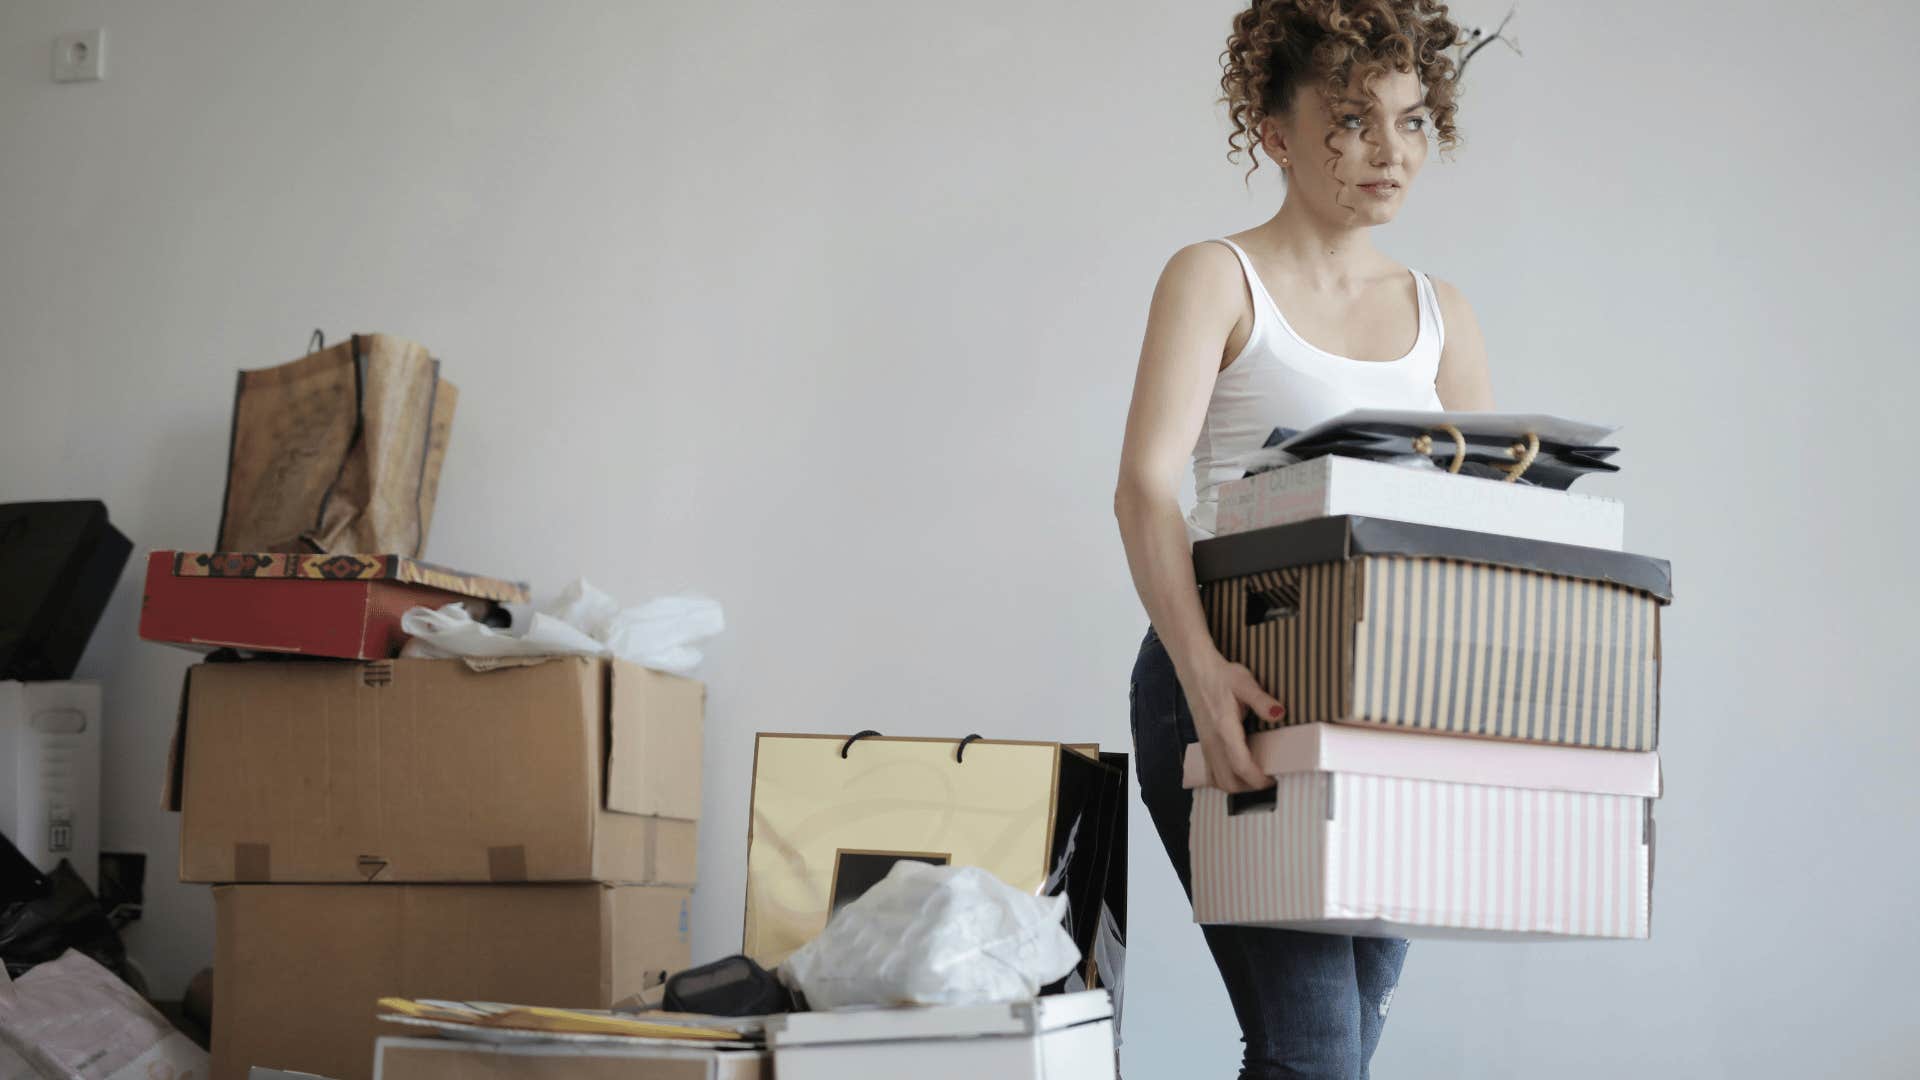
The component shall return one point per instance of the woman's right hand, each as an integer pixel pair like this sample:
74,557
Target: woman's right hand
1219,693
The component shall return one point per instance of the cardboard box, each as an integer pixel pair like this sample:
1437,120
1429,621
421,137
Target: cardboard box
1334,486
1393,834
341,606
298,969
1368,621
425,770
448,1059
823,827
1061,1037
50,773
59,565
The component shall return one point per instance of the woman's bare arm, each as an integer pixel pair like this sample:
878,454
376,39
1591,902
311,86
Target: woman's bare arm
1198,301
1463,383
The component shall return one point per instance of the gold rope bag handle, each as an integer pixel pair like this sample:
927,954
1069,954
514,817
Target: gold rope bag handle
1423,444
1523,453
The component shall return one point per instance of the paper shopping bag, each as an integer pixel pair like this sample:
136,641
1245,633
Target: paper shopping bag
339,451
832,814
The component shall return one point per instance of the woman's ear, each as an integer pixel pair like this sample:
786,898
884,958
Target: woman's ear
1274,141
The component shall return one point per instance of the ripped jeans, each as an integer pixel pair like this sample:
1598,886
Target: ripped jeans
1309,1005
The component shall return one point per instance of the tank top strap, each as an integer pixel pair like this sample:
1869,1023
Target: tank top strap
1430,312
1256,289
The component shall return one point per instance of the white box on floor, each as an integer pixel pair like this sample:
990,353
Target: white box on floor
1393,834
1058,1037
398,1058
50,773
1331,486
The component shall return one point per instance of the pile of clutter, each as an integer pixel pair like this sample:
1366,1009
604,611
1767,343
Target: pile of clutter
69,995
1470,664
414,793
968,952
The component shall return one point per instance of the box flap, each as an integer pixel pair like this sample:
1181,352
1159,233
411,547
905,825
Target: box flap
654,731
1448,758
240,564
1334,539
938,1022
177,750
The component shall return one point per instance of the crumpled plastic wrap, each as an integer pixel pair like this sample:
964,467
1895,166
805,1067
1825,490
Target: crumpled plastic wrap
935,935
662,634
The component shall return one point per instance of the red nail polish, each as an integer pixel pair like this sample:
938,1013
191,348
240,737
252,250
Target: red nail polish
1275,712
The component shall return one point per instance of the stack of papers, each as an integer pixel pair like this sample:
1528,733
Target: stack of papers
486,1021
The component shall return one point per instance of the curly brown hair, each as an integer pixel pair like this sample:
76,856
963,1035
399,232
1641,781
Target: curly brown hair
1278,46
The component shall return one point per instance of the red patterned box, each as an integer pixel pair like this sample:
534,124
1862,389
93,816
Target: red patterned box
342,606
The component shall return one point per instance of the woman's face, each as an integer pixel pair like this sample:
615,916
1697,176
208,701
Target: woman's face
1382,142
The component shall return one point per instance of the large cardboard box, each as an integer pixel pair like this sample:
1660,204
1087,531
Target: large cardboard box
425,770
1333,486
1061,1037
298,969
347,607
50,773
1369,621
448,1059
1387,833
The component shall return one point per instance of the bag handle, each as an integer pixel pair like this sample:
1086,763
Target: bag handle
853,738
1523,452
959,752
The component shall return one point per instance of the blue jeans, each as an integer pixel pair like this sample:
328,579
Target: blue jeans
1309,1005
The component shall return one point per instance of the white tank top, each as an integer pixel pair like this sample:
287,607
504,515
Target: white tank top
1279,380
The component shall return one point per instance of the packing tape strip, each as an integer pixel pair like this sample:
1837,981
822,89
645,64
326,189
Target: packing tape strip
252,862
507,863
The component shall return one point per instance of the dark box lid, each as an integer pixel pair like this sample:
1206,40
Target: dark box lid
1337,539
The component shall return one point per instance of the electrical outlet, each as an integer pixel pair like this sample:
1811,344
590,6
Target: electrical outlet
80,56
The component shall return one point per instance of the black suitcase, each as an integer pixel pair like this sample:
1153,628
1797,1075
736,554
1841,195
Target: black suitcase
59,563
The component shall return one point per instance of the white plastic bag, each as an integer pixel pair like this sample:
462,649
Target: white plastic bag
451,632
580,621
935,935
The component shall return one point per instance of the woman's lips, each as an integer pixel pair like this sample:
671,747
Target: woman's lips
1384,189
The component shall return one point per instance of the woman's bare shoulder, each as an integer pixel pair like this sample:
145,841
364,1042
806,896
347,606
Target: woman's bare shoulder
1452,300
1204,260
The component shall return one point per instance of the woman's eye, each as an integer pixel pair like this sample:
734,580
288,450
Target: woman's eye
1351,121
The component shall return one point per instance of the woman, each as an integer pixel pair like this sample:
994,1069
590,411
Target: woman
1289,323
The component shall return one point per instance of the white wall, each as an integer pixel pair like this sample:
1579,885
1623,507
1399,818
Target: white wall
832,310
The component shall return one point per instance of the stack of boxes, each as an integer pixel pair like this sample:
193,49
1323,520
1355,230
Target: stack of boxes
1471,673
374,826
421,829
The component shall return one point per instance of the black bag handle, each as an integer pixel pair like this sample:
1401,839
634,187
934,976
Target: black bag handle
853,738
959,752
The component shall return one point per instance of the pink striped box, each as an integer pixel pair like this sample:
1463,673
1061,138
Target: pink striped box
1388,833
